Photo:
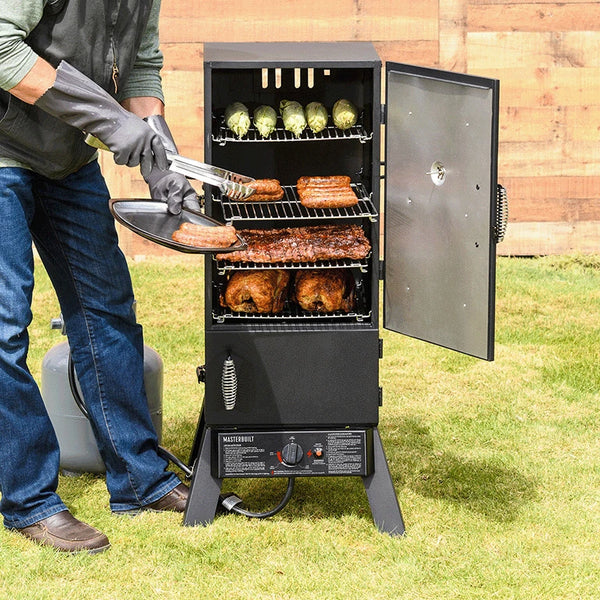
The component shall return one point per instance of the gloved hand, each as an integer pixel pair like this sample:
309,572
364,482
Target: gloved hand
168,186
78,101
172,188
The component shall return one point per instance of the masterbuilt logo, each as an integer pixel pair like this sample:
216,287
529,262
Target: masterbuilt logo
238,439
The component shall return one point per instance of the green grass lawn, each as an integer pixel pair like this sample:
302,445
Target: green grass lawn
496,466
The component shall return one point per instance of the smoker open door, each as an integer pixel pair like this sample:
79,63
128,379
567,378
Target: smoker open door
440,205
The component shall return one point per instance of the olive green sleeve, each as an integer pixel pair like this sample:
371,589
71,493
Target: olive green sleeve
145,79
17,19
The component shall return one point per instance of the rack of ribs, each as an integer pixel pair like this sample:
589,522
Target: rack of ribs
301,244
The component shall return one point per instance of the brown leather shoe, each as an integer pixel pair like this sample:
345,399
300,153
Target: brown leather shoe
174,501
64,532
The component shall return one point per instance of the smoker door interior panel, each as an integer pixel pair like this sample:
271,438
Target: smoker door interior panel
441,140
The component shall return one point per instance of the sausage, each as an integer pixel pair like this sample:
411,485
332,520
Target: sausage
323,181
332,191
266,190
330,199
205,236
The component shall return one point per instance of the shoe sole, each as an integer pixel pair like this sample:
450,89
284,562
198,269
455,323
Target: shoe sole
47,544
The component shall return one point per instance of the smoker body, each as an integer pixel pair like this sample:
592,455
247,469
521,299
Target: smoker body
318,370
294,378
308,376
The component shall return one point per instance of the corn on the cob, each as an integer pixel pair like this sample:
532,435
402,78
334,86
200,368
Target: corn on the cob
265,120
237,118
344,114
293,116
316,116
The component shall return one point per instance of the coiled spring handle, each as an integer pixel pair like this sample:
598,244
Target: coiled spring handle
501,214
229,384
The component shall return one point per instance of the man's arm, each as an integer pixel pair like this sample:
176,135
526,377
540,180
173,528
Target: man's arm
38,80
144,106
42,76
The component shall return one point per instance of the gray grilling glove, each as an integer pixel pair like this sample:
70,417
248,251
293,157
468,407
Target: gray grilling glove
78,101
168,186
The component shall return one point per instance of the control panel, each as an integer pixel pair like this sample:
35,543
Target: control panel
293,453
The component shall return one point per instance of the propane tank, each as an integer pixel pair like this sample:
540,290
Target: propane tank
78,448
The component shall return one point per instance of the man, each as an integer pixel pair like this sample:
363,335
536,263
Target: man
63,66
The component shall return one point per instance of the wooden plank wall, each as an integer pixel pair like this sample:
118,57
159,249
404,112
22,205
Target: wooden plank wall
546,55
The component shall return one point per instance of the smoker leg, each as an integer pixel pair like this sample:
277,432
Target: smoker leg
381,493
205,489
200,429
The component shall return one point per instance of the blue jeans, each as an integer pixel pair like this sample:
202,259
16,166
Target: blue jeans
75,236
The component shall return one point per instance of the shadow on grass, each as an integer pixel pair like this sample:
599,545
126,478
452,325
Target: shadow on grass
313,497
485,486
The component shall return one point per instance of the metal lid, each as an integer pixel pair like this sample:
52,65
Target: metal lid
151,220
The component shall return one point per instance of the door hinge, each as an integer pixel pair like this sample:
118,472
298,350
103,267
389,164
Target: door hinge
380,348
381,270
383,114
380,396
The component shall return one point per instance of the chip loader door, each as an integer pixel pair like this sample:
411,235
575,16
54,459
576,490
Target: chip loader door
440,201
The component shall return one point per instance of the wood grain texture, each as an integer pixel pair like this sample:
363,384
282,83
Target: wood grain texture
534,16
574,49
453,35
553,199
535,239
289,20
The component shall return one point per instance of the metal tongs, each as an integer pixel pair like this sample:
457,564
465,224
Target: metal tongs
231,184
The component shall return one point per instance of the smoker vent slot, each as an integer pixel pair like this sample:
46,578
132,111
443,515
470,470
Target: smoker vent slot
289,207
224,135
224,266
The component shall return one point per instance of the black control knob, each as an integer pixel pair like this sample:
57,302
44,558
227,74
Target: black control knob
291,454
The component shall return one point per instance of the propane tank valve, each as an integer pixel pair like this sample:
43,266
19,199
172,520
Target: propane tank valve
58,323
